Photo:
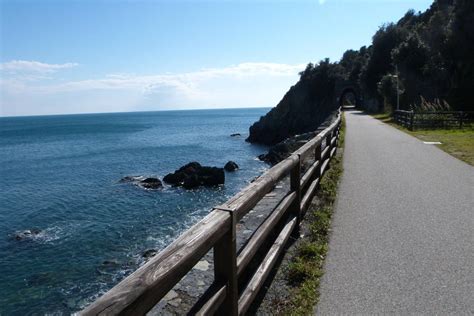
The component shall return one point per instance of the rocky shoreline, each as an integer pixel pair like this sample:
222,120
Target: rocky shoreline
302,110
189,176
186,293
283,149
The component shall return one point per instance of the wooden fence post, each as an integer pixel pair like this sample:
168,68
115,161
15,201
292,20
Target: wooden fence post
225,268
412,119
295,186
461,116
328,141
317,157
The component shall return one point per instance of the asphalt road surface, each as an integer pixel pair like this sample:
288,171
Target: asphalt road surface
402,238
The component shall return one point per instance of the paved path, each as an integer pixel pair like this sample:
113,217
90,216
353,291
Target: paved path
403,228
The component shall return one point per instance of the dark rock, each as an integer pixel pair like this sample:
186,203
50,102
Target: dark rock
107,267
131,179
39,279
27,234
151,183
109,263
254,179
190,166
284,149
210,176
303,108
174,178
143,182
231,166
191,182
151,180
149,253
177,178
193,175
235,135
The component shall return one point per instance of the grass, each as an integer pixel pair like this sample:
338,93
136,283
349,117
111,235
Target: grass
456,142
306,267
384,117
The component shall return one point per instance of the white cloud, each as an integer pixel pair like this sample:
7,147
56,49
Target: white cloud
243,85
183,81
33,66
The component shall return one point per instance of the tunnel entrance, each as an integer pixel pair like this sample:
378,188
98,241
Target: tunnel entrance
349,98
347,93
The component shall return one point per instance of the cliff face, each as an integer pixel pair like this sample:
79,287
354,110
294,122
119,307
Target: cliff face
303,108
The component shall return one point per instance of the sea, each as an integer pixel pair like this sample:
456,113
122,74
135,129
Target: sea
60,179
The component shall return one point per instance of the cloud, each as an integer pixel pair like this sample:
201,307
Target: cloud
243,85
15,66
322,1
183,82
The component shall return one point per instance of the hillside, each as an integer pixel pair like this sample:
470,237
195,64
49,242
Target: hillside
303,108
432,53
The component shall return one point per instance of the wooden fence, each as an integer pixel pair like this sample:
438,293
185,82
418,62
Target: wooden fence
143,289
440,119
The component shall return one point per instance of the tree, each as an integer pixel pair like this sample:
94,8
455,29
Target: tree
379,63
387,88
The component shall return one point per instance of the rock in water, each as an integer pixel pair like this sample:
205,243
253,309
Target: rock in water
191,182
40,278
235,135
27,234
179,175
174,178
151,183
149,253
110,263
231,166
284,149
210,176
131,178
143,182
193,175
108,266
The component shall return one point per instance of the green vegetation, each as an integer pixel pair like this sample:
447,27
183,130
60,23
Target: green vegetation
303,108
456,142
431,52
306,267
386,118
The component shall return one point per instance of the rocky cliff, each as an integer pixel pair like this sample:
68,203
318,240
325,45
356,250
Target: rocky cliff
303,108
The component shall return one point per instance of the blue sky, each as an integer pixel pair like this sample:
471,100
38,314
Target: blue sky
75,56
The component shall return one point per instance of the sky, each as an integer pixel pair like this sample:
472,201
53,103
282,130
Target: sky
73,56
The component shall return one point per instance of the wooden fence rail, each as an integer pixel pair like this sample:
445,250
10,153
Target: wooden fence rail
144,288
439,119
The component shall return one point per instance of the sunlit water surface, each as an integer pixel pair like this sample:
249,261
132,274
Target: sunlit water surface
60,174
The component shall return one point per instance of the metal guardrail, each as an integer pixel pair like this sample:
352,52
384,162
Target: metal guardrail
144,288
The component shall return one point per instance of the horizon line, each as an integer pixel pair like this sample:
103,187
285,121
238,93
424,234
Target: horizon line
139,111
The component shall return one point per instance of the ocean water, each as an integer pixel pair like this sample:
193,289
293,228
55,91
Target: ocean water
60,174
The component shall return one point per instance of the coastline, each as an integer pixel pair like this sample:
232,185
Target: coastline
193,285
70,190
